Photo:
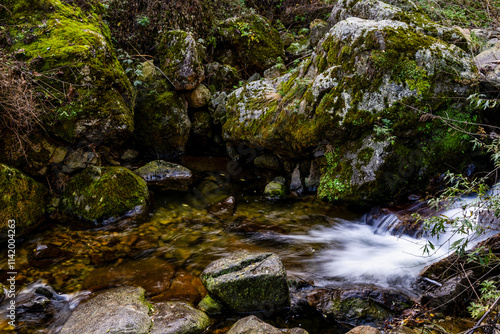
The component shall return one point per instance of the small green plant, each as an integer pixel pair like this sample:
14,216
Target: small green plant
247,32
489,294
384,130
142,20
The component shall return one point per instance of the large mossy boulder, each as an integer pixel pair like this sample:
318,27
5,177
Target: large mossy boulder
162,123
22,199
178,318
181,60
119,310
371,96
248,282
104,193
255,44
75,67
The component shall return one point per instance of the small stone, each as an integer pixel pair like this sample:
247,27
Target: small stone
199,97
224,209
178,318
129,155
254,325
210,305
148,71
296,182
276,188
267,161
275,71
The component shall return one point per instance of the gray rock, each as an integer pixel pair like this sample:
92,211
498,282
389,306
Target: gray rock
129,155
199,97
80,159
488,64
276,188
254,325
178,318
364,330
166,175
312,181
296,182
217,108
267,161
248,282
181,60
318,28
116,311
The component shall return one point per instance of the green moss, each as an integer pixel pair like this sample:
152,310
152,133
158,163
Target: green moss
98,194
22,199
80,73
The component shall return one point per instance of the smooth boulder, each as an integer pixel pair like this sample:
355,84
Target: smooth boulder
254,325
116,311
248,282
178,318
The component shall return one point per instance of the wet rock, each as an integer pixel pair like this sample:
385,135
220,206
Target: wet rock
318,28
166,175
254,325
224,209
45,255
22,199
255,42
451,295
181,60
247,282
311,182
276,188
104,193
359,306
120,310
488,64
153,274
364,330
178,318
221,76
199,97
267,161
184,287
209,305
162,124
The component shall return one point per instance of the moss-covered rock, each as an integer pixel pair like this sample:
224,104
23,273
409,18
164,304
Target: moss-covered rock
181,60
276,188
247,282
398,10
21,199
166,175
162,122
365,91
209,305
221,77
76,68
104,193
199,97
256,44
359,305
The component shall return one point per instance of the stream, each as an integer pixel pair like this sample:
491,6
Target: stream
166,251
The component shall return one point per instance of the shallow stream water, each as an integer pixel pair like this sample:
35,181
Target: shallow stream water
166,251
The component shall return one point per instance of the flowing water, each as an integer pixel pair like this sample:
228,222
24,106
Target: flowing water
166,252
